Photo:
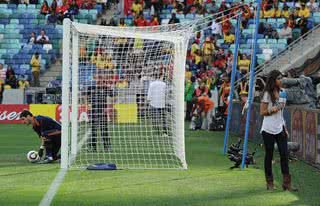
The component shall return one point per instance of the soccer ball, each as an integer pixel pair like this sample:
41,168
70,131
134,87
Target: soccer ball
33,156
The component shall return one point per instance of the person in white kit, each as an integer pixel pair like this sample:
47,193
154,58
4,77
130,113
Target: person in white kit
274,129
157,101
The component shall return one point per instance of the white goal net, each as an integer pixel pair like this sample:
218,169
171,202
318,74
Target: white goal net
125,88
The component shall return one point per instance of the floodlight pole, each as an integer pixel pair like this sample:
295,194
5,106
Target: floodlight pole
233,74
251,84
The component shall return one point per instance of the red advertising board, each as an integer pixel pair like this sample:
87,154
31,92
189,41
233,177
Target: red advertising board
9,113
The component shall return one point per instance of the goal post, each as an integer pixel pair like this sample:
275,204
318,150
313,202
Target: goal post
108,114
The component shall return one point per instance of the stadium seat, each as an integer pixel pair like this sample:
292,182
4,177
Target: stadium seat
12,6
290,4
316,14
190,16
264,46
249,41
247,51
271,20
281,47
251,26
22,6
261,41
272,41
282,41
93,12
198,16
281,20
31,6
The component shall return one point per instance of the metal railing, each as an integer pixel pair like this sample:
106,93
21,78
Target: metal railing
298,51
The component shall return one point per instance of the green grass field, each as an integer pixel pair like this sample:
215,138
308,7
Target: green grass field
208,180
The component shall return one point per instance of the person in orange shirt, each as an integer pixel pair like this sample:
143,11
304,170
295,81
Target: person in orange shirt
206,105
200,112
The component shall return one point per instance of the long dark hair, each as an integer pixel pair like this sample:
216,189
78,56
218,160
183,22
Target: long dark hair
271,84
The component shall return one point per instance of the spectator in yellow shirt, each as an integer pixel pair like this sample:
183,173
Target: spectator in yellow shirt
136,7
228,38
109,64
304,11
244,64
277,12
197,57
122,23
188,73
23,84
269,12
122,83
98,60
207,50
194,47
35,69
285,12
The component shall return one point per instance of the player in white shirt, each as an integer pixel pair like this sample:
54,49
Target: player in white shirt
157,101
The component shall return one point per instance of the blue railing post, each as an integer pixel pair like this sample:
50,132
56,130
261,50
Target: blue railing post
251,84
233,74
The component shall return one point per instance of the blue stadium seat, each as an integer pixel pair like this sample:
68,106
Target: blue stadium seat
247,51
190,16
31,6
281,20
22,6
272,41
261,41
249,41
271,20
281,47
316,14
282,41
12,6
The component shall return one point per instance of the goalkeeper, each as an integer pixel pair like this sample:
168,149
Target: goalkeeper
49,132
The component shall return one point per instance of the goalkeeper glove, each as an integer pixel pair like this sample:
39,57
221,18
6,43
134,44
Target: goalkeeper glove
40,152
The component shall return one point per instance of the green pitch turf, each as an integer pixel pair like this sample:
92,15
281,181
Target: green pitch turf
208,180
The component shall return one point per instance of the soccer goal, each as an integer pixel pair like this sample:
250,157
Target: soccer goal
110,111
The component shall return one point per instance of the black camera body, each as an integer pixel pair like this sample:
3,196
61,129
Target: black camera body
235,155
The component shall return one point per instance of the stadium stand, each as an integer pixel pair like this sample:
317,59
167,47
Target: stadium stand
18,22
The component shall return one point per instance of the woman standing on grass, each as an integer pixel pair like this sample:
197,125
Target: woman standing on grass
274,130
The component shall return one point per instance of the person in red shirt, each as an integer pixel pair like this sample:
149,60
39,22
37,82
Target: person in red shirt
63,8
140,21
154,21
226,25
224,93
220,62
78,2
45,9
202,89
87,4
